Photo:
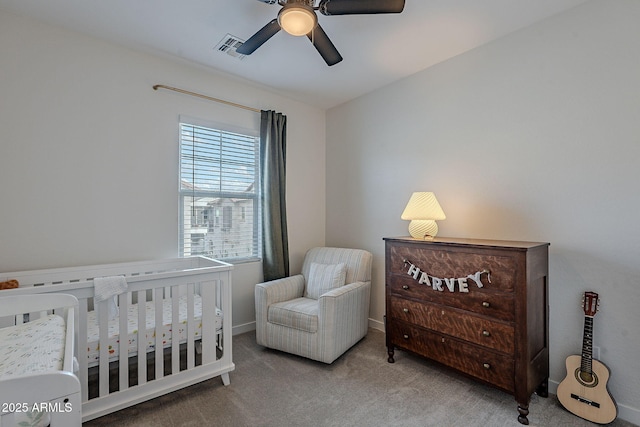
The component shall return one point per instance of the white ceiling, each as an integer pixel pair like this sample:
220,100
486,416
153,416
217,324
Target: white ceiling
377,49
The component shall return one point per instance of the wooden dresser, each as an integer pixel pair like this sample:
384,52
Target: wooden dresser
477,306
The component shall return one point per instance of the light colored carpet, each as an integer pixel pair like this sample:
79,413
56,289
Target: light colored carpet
271,388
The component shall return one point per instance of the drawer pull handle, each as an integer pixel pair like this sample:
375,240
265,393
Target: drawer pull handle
405,287
486,333
406,310
486,304
486,366
405,336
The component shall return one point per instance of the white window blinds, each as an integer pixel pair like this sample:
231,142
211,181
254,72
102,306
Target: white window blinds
218,193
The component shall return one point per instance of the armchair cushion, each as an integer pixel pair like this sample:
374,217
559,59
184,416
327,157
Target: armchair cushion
299,313
324,277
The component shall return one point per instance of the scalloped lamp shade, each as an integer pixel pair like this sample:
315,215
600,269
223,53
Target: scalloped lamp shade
423,210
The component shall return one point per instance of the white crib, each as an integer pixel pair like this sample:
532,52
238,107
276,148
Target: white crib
38,386
187,295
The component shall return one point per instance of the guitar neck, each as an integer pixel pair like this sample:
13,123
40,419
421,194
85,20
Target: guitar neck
587,346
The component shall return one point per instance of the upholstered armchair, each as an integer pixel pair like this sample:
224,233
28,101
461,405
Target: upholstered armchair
320,313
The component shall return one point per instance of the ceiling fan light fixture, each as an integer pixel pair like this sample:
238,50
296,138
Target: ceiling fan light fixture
297,19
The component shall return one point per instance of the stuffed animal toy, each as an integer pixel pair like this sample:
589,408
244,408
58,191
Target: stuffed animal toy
9,284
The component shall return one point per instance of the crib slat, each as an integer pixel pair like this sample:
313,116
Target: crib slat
220,303
175,325
142,332
208,293
81,348
103,333
191,360
159,327
69,313
18,319
123,334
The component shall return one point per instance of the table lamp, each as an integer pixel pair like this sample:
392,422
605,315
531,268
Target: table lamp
423,210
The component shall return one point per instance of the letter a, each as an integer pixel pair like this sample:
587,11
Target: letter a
424,279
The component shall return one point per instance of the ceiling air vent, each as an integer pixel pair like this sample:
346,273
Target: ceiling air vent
229,44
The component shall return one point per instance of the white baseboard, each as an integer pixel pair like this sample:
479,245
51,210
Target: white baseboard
629,413
241,329
376,324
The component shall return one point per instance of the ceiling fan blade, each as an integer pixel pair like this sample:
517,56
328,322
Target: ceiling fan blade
360,7
324,46
259,38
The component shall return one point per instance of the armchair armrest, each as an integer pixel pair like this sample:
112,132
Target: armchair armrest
343,317
271,292
280,289
338,292
345,300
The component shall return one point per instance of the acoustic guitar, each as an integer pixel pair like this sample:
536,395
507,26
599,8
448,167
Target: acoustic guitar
584,390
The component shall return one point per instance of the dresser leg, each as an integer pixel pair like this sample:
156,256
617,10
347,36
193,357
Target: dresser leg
390,353
523,410
543,388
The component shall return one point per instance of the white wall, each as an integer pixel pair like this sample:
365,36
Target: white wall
88,153
536,137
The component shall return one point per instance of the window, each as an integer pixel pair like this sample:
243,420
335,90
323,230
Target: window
227,218
218,193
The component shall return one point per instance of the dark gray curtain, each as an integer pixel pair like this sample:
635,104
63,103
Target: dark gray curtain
275,242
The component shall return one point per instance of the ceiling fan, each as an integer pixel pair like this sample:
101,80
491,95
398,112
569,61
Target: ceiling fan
298,17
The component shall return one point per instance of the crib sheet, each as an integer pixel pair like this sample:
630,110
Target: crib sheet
150,332
35,346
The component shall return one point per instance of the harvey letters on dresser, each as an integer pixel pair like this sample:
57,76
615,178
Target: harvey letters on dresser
438,284
477,306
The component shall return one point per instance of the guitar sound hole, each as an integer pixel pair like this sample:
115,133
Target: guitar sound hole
586,379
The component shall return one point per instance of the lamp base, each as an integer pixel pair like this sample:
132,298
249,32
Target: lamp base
423,228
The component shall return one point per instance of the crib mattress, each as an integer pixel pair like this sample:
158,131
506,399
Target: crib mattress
93,343
36,346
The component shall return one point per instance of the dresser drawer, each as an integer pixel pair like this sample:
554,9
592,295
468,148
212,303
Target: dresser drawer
443,263
473,360
498,305
496,335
